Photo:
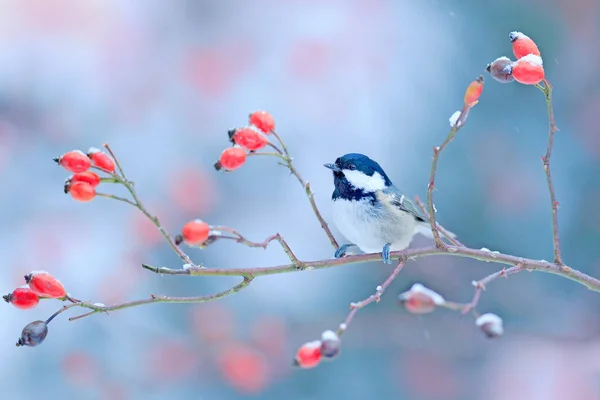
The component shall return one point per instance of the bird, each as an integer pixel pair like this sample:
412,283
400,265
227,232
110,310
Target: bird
370,211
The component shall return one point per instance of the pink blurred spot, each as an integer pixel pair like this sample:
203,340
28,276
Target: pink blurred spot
192,190
212,322
269,334
143,231
171,361
113,391
420,369
309,59
244,368
209,71
81,369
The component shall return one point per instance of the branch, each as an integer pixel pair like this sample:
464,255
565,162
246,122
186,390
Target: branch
96,308
376,297
547,90
411,254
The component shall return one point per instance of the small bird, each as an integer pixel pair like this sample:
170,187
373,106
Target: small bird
370,211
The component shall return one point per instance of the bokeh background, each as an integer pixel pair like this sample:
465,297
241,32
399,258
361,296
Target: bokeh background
163,81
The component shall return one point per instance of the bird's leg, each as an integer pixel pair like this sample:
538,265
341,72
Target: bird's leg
341,251
385,253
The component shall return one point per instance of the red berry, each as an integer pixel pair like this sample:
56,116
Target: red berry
249,138
45,285
474,91
527,70
263,121
309,355
420,300
496,70
101,159
81,191
231,158
22,298
74,161
88,177
195,232
523,45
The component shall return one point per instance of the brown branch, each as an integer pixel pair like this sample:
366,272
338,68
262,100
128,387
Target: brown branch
481,255
376,297
153,299
547,90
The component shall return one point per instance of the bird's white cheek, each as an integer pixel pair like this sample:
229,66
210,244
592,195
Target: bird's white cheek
365,182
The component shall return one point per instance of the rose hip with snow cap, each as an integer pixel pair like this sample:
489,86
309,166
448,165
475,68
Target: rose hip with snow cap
528,70
330,344
523,45
249,138
23,298
193,233
420,300
101,159
496,70
263,121
231,159
74,161
309,355
45,285
490,324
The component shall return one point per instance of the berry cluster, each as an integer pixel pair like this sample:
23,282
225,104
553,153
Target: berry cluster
82,184
528,69
39,285
246,139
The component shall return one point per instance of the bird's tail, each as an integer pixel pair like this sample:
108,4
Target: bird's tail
424,229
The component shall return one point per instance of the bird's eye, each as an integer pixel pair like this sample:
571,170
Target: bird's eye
351,167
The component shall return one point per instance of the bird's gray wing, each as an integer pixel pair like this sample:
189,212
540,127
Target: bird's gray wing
403,203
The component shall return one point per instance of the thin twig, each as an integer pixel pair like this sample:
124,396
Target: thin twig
216,234
154,299
118,198
480,286
308,191
436,155
547,90
129,185
440,228
376,297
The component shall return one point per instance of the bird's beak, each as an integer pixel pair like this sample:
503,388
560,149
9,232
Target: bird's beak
332,167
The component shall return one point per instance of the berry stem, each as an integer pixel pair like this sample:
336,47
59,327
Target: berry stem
354,307
547,90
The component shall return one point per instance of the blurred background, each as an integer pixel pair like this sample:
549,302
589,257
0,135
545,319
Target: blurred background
162,82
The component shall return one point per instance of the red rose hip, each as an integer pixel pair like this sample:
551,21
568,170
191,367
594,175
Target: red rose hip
263,121
74,161
23,298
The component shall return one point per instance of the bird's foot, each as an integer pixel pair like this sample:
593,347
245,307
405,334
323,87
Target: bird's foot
385,253
341,252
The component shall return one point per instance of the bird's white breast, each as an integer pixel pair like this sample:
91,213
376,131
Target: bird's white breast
372,228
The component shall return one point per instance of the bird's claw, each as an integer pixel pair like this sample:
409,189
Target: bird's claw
385,253
341,251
